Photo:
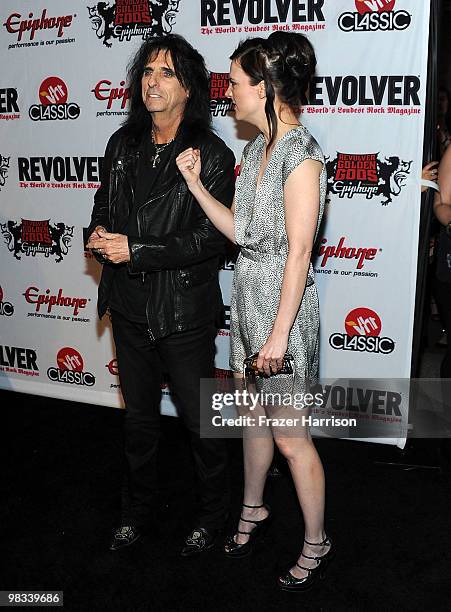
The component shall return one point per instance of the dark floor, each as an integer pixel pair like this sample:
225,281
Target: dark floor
60,465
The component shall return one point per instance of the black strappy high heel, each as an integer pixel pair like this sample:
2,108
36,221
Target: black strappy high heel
288,582
235,550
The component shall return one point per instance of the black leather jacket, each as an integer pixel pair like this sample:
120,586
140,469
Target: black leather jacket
177,246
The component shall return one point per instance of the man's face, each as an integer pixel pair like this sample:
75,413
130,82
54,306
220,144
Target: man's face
162,92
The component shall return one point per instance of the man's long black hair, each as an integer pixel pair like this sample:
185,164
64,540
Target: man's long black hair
191,72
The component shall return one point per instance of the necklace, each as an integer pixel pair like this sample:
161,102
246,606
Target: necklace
159,148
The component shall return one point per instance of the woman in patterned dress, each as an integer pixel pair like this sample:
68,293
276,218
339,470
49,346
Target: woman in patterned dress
274,218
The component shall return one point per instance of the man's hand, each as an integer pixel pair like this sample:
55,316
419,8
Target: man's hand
95,234
112,247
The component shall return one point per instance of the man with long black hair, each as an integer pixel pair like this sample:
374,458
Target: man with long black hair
160,258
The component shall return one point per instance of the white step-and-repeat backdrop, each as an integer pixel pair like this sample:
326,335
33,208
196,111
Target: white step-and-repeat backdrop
63,93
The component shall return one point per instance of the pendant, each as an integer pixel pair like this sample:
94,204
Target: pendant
155,160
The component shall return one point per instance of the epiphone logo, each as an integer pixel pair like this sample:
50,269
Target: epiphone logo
34,296
104,91
342,251
16,25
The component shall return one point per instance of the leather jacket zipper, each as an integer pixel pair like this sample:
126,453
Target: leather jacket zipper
118,168
160,195
113,190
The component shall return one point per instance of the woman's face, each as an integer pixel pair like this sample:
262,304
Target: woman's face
248,99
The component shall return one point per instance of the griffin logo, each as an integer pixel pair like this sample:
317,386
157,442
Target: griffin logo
4,169
124,19
365,174
32,237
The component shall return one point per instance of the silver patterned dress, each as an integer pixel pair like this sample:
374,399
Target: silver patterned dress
261,234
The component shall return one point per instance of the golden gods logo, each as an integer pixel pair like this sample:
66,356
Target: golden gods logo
123,19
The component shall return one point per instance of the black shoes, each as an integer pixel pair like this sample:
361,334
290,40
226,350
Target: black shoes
233,549
124,536
288,582
198,541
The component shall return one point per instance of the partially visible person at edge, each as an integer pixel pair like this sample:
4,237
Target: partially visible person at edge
442,281
160,256
277,209
443,121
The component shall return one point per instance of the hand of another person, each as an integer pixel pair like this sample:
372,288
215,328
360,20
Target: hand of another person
112,247
189,164
429,173
270,356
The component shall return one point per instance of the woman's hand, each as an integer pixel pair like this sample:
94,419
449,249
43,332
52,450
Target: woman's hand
189,164
270,356
429,173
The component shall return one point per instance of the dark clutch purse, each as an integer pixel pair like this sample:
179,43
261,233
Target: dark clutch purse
251,372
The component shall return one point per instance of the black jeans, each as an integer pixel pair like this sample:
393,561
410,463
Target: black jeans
187,357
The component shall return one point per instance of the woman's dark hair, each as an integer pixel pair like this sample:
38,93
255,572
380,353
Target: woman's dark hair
191,72
286,63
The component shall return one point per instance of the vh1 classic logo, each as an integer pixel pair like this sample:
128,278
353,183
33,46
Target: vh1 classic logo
53,95
219,84
351,174
70,369
6,308
31,237
363,327
124,19
372,15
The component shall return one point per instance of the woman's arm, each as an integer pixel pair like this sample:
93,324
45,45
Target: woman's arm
442,203
301,200
189,164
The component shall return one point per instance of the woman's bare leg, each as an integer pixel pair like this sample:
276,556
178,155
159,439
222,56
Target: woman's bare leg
308,477
258,450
